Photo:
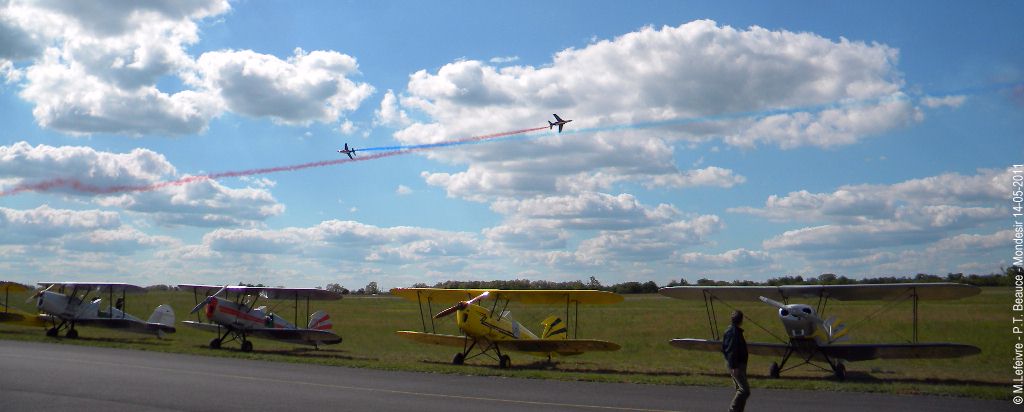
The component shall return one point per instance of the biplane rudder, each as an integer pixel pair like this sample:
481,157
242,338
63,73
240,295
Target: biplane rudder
554,328
162,315
320,320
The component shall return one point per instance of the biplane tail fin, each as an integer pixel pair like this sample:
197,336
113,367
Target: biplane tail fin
554,328
162,315
320,320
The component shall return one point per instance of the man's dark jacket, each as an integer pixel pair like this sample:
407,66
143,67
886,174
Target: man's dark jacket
734,347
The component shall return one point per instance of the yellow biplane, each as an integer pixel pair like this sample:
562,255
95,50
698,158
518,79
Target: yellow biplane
13,315
491,330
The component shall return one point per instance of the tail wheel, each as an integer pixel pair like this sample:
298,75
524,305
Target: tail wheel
246,346
459,359
773,371
72,334
52,332
215,343
840,371
504,362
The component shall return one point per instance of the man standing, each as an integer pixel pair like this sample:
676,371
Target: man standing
734,347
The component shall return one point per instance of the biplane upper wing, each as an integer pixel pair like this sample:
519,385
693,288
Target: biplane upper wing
6,286
114,287
868,351
300,293
434,338
590,297
560,346
268,292
924,291
754,348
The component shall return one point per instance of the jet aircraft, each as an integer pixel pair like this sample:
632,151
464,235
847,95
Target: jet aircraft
76,308
492,330
813,339
240,318
348,151
558,122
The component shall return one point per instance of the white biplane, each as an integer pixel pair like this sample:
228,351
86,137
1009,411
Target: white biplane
240,318
813,339
71,306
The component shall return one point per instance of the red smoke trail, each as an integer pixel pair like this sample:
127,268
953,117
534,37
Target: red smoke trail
106,190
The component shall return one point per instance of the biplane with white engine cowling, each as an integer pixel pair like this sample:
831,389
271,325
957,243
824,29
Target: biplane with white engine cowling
812,339
70,305
493,330
238,317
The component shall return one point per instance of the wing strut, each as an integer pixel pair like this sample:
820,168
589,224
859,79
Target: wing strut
419,303
576,330
745,319
709,307
914,291
893,302
430,309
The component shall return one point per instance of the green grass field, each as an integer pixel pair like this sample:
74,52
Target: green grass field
643,325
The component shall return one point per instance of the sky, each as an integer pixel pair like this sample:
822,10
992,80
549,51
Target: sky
157,142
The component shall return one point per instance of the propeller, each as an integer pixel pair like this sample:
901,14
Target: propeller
460,306
39,293
207,300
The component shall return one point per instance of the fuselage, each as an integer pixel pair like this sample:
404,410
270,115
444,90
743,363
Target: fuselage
236,315
477,323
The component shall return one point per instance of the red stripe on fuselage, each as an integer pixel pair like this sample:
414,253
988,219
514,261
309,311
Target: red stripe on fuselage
237,313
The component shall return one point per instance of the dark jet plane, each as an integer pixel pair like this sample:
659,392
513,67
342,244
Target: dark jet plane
559,122
352,151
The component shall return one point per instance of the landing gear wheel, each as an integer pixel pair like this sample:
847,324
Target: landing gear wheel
840,371
215,343
72,334
459,359
246,346
504,362
52,332
773,371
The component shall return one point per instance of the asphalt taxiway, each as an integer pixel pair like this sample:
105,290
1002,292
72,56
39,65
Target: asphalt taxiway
42,376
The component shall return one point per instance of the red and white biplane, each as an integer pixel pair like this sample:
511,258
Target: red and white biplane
239,318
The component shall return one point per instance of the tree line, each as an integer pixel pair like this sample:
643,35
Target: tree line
1005,278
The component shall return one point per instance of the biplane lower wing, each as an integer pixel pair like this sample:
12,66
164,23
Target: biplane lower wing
307,336
300,336
847,352
203,325
121,323
861,352
762,349
434,338
22,318
559,346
